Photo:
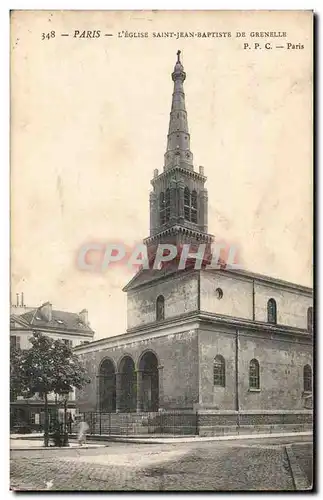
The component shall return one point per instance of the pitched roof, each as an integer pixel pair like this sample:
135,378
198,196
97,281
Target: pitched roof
61,320
145,276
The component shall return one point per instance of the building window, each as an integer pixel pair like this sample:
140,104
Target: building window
162,214
194,207
307,378
310,319
187,204
272,311
160,308
219,371
15,341
167,205
68,342
190,205
254,378
219,293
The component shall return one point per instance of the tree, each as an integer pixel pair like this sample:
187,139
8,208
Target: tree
49,366
16,372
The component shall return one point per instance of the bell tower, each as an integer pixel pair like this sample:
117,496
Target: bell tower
179,200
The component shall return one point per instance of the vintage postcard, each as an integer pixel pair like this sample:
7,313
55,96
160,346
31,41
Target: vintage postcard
161,317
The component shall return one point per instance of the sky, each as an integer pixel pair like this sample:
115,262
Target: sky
89,121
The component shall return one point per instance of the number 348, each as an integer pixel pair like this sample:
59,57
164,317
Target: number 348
47,36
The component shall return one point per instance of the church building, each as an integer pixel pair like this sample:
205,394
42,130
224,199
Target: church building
219,340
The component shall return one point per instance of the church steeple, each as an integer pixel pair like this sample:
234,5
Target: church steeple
178,139
178,202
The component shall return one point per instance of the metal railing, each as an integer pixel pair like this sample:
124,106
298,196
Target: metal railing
170,422
146,423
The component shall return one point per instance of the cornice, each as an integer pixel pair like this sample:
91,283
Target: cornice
262,279
193,321
177,168
44,330
175,229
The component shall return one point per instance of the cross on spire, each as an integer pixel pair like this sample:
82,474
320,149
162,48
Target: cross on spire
178,54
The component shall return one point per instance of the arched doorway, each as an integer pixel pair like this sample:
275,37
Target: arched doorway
107,386
128,399
148,366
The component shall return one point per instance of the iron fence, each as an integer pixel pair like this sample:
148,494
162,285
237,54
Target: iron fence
32,420
175,422
146,423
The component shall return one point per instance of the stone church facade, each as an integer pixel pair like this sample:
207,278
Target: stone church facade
208,339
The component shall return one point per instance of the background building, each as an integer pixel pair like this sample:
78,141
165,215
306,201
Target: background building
73,329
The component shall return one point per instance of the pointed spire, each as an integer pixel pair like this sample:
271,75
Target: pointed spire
178,139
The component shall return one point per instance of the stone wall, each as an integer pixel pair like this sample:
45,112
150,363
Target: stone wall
281,372
281,361
249,423
211,344
177,355
180,293
237,295
237,300
291,306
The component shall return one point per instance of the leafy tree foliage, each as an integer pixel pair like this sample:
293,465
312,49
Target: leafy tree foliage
17,379
49,366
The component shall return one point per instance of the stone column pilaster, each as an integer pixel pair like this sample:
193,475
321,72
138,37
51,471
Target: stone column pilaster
181,188
161,387
153,213
173,200
118,392
140,391
98,393
204,206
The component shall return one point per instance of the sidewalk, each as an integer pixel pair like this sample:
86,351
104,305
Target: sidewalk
154,440
38,444
32,436
195,439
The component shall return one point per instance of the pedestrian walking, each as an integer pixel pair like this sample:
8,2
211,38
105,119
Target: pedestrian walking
83,427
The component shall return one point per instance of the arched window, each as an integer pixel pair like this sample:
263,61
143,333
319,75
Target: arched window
167,205
194,207
219,371
187,204
162,214
307,378
160,308
272,311
254,378
310,319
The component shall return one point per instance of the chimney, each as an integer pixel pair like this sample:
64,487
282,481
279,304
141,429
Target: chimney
17,294
83,315
46,311
22,299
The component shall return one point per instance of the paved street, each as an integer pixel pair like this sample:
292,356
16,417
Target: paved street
258,464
